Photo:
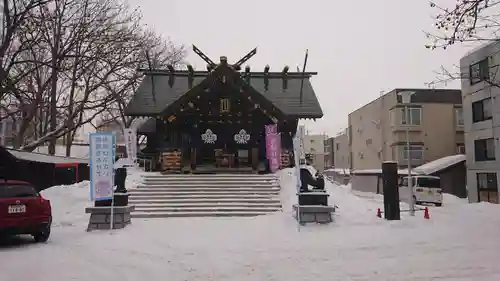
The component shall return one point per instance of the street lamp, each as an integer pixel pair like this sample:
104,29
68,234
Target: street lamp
406,99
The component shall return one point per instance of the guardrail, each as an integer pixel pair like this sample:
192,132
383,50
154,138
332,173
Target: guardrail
146,162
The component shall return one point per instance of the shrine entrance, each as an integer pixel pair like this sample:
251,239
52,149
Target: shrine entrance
217,117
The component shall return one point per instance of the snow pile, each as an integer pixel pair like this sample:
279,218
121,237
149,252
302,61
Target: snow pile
134,177
459,242
68,203
449,199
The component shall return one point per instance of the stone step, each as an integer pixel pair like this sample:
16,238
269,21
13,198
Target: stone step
202,189
208,182
206,185
199,196
167,209
169,200
145,215
214,192
211,205
216,176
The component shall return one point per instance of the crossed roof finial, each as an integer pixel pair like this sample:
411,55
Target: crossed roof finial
236,66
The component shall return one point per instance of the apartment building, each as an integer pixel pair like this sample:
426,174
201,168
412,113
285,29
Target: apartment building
329,152
481,103
342,150
434,119
314,147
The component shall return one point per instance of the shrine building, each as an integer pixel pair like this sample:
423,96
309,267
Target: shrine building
206,121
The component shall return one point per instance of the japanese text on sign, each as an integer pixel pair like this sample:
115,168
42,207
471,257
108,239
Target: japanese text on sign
101,165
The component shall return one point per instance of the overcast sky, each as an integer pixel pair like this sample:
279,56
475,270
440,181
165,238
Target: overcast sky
359,48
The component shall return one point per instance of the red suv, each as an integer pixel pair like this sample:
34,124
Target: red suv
24,211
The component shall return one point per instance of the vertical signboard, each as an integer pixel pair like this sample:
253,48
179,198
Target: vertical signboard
273,147
131,144
102,158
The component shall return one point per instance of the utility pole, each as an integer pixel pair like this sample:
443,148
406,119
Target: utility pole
406,100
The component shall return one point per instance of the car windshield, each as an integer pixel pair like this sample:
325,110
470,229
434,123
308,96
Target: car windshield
14,190
429,182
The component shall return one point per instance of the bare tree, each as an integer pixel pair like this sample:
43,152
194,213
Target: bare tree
160,52
465,22
14,14
78,62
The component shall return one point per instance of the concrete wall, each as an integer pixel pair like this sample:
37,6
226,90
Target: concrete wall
314,145
365,183
370,133
342,151
483,129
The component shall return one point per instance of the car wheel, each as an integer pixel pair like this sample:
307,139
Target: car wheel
439,204
42,236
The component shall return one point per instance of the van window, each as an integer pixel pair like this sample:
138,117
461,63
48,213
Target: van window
405,181
429,182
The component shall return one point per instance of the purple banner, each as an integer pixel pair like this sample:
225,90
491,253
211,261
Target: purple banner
273,147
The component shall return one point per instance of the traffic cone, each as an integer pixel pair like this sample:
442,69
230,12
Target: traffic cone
379,213
426,214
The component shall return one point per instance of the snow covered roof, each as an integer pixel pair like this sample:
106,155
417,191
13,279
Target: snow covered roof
375,172
340,171
39,157
440,164
77,151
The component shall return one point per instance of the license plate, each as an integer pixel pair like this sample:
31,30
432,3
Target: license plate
16,209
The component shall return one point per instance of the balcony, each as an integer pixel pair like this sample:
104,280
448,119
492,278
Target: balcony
401,120
399,137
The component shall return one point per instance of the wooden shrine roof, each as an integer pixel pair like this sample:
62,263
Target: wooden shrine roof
287,100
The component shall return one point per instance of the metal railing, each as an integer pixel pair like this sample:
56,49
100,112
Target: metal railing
146,162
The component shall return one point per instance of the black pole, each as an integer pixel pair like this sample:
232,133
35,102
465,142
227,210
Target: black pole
391,192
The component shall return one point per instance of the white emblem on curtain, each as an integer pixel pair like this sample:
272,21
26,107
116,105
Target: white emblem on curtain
209,137
242,137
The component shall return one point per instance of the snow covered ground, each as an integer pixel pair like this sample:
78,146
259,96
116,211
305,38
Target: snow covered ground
460,242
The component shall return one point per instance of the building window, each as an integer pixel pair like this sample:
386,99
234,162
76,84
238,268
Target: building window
481,110
416,152
459,116
479,72
411,116
487,187
460,148
484,149
337,146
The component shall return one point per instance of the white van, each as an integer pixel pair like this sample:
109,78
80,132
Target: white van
426,189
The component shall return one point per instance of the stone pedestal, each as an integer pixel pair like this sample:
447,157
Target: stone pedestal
120,199
100,217
313,198
318,214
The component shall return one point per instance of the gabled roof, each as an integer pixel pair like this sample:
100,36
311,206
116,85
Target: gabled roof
287,100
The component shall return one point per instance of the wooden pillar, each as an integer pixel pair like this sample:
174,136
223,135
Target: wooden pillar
255,158
193,158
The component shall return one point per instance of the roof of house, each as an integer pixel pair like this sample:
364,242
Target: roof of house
440,164
39,157
287,100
